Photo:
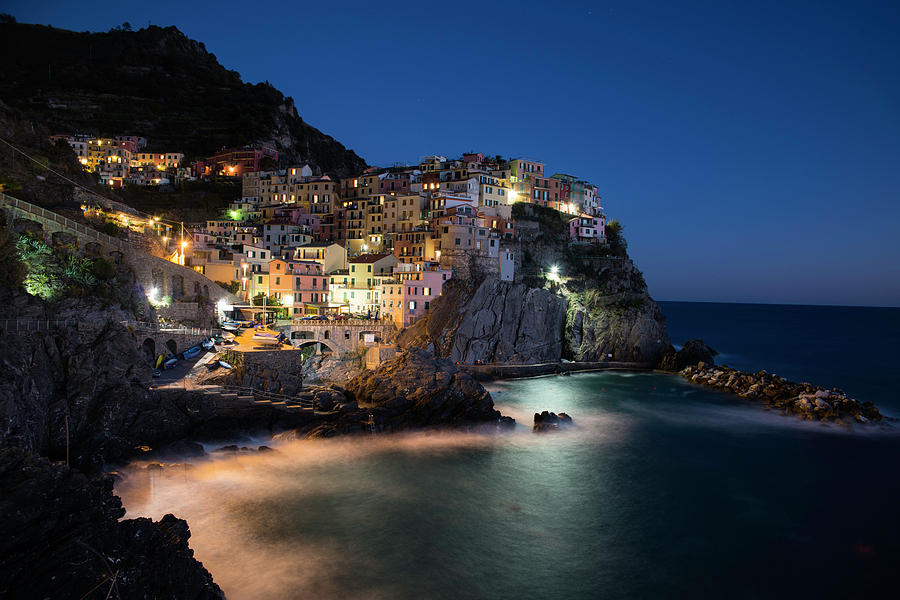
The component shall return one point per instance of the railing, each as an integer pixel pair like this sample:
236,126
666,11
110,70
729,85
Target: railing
26,325
48,215
339,322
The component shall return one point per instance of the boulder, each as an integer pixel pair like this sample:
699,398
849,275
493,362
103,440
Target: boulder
550,421
415,389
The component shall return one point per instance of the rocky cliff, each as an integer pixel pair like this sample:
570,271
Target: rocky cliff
62,538
595,307
495,321
417,390
156,83
611,316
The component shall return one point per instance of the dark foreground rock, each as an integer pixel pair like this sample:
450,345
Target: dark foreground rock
414,390
802,399
692,353
62,538
550,421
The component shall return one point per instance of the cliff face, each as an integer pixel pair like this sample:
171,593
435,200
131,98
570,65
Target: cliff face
98,380
600,311
612,317
157,83
62,538
496,322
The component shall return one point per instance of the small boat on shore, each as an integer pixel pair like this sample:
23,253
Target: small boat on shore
169,364
192,352
225,365
208,344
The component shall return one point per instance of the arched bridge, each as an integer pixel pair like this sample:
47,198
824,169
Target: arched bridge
339,337
173,280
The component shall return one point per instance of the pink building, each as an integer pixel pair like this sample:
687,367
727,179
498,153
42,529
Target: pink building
298,215
394,183
588,229
409,295
301,286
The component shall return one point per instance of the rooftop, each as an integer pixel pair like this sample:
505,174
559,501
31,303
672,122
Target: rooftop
368,258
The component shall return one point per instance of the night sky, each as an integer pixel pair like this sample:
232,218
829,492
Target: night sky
752,150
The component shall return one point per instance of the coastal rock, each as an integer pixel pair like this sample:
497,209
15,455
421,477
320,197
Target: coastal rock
62,538
611,316
549,421
418,390
692,353
494,321
801,399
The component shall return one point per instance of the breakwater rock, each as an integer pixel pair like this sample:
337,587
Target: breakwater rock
416,390
802,399
549,421
62,538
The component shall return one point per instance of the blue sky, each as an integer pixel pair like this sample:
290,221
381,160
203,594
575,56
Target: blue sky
751,150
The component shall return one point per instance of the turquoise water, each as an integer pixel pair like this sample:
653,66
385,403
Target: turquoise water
663,490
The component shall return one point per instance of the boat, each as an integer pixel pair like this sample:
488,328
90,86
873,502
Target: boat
208,344
225,365
159,361
192,352
169,364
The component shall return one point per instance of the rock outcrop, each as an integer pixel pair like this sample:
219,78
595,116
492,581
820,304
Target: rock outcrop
611,316
62,538
802,399
496,321
550,421
416,390
692,353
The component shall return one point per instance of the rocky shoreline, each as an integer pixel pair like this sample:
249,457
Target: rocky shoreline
804,400
63,538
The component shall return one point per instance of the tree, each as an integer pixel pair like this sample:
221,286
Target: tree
7,18
617,244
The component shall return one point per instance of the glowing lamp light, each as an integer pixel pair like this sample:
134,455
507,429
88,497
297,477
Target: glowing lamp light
154,293
183,245
234,215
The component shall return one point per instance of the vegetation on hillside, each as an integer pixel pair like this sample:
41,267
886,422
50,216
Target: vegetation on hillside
155,83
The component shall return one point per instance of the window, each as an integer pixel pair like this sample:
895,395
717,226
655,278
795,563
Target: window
259,280
457,241
427,292
346,334
412,305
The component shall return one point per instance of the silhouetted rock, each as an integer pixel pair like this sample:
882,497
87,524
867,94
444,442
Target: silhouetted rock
62,538
692,353
550,421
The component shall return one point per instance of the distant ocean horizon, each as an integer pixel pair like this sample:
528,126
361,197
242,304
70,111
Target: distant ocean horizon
658,300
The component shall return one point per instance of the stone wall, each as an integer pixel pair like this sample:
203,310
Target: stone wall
168,278
275,371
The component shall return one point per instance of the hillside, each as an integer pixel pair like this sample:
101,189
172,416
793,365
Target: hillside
156,83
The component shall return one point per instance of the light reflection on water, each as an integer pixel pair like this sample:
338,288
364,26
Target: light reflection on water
662,489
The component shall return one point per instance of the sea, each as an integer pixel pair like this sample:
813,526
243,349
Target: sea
661,490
